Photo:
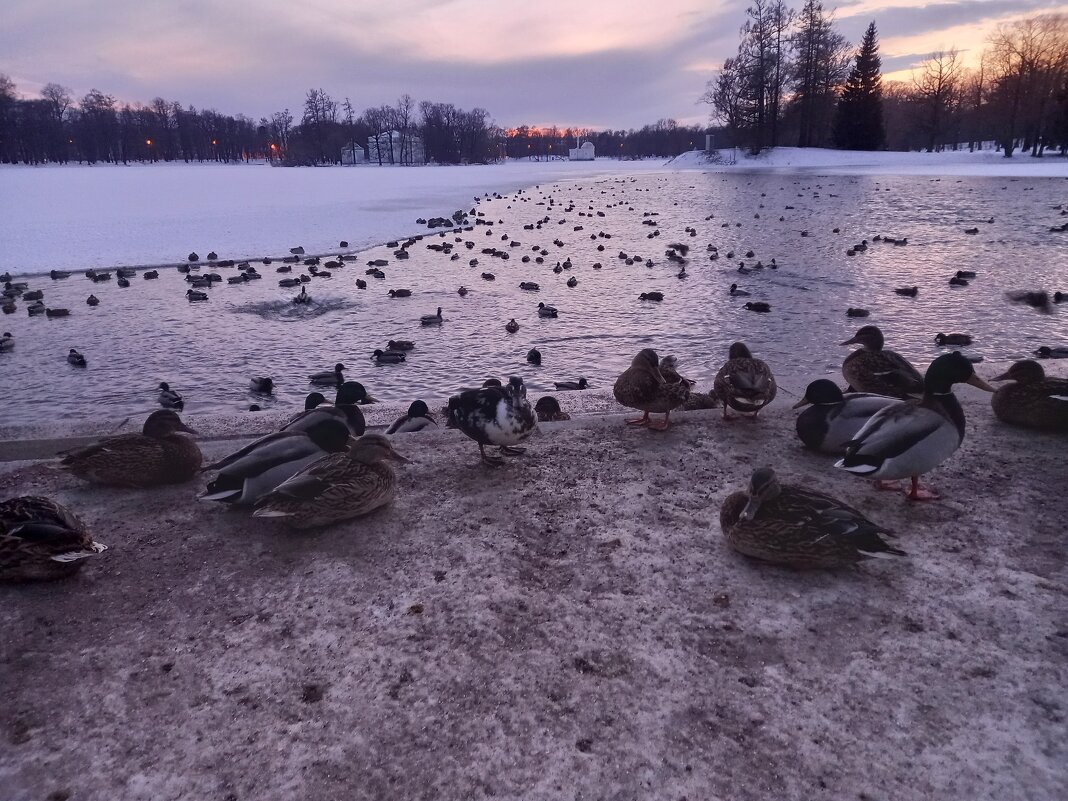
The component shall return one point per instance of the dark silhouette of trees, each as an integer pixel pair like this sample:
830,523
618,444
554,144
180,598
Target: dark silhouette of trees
858,121
820,66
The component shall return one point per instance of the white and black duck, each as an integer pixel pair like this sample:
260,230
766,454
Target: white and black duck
834,419
499,416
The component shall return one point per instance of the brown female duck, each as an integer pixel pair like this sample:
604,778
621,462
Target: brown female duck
881,372
1032,400
41,540
642,386
744,383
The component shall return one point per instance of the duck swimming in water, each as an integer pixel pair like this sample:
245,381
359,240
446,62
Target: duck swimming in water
499,416
1047,352
262,385
562,386
953,339
328,377
738,293
388,357
75,358
511,326
168,398
547,311
878,371
744,383
910,438
431,319
417,418
7,342
534,357
834,419
643,387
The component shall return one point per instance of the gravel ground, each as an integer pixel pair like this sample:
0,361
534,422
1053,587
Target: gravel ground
569,626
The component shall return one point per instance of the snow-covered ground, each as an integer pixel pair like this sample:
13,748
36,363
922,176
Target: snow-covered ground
77,217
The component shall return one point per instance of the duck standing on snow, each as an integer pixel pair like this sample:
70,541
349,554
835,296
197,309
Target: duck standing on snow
834,419
337,487
250,473
417,418
744,383
328,377
798,527
642,386
910,438
160,454
499,416
878,371
1032,400
40,540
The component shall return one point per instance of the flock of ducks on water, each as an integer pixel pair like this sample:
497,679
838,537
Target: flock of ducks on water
323,467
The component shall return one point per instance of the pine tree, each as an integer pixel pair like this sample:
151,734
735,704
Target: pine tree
859,121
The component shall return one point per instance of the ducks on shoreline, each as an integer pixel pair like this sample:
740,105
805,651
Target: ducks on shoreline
834,419
41,540
499,416
643,387
877,370
1032,400
744,383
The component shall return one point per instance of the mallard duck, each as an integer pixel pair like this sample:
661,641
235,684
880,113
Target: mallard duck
262,385
493,415
653,296
511,326
347,413
910,438
1046,352
417,418
57,312
563,386
548,410
400,344
248,474
854,312
160,454
534,357
738,293
92,300
908,291
953,339
669,368
744,383
400,293
529,286
834,418
328,377
168,398
462,291
303,297
878,371
193,295
432,319
313,401
1032,401
352,392
758,306
40,540
388,356
336,487
798,527
75,358
642,386
7,342
547,311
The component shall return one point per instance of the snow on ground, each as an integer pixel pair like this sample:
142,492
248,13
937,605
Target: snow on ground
76,217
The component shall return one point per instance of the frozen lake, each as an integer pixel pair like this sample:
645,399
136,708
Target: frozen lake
149,333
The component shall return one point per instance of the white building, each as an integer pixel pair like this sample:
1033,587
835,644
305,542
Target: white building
353,154
584,152
392,147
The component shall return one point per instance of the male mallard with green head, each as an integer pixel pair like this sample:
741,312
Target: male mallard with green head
879,371
797,527
162,453
336,487
41,540
833,419
642,386
1032,400
910,438
744,383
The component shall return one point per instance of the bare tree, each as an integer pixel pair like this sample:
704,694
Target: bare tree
935,93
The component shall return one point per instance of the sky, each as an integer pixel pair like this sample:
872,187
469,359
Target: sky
597,64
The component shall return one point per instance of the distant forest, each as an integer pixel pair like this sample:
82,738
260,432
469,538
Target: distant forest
56,128
796,81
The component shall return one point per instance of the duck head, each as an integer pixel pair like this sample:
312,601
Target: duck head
821,393
163,423
739,350
314,400
420,409
646,359
534,356
372,448
869,336
763,486
516,388
350,392
331,435
949,369
1027,371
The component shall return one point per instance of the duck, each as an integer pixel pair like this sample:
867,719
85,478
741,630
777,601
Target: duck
534,357
327,377
75,358
42,540
548,410
834,419
247,475
1047,352
489,277
303,297
852,312
193,295
1037,299
336,487
1032,400
562,386
758,306
417,418
92,300
7,342
744,383
529,286
314,401
462,291
572,282
400,344
316,409
642,386
352,392
798,527
161,454
908,291
388,356
57,312
499,416
35,309
168,398
547,311
400,293
431,319
264,385
953,339
878,371
965,273
910,438
511,326
654,296
738,293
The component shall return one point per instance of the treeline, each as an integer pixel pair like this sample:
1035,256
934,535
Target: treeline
663,138
796,81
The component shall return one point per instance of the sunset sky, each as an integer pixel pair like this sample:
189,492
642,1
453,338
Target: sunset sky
600,63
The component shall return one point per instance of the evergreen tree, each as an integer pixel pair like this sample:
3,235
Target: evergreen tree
859,121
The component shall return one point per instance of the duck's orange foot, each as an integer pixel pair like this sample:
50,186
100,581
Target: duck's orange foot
641,421
918,493
886,486
661,426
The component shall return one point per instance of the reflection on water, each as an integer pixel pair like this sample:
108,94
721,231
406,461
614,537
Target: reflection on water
147,333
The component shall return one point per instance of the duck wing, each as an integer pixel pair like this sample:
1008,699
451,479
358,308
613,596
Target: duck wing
636,386
891,432
315,479
267,453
